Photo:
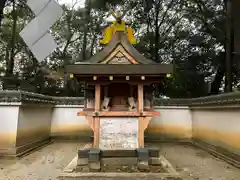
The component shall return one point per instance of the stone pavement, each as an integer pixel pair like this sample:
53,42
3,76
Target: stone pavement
47,162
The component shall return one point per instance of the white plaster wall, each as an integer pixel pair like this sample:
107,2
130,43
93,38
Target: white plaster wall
34,123
65,122
8,126
173,122
219,127
118,133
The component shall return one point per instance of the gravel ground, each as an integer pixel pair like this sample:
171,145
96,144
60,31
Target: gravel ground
44,164
48,162
195,164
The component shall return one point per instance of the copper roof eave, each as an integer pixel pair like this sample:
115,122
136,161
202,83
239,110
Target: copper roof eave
119,38
123,69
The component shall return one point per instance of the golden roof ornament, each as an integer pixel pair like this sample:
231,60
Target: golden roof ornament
119,25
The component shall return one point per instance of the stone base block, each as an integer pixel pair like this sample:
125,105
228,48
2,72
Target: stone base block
118,153
95,167
82,161
143,166
143,154
154,161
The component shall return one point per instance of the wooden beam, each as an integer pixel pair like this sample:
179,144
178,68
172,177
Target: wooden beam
123,69
140,98
119,114
123,81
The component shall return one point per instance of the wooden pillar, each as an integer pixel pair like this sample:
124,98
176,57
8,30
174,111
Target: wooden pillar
141,119
141,132
97,97
97,119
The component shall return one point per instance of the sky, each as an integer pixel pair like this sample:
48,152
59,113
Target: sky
80,3
73,2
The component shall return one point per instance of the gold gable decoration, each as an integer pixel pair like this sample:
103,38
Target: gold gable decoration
119,60
119,56
118,26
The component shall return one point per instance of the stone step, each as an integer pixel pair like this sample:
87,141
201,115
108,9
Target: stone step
119,176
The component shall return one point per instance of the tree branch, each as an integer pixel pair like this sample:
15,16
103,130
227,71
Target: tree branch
2,6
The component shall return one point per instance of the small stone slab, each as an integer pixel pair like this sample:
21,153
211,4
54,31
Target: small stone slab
127,153
83,153
83,169
94,155
130,161
143,166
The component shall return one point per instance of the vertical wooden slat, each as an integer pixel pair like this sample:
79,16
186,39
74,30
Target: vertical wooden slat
140,120
140,97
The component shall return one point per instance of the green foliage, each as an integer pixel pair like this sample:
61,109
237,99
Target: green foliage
188,33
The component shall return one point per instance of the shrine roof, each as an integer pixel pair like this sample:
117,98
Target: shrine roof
119,57
119,40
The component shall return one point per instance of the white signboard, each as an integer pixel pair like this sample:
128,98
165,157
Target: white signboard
118,133
35,34
37,5
45,46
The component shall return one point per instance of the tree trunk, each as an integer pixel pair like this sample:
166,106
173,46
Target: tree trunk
87,19
2,5
10,61
92,44
215,85
157,35
229,47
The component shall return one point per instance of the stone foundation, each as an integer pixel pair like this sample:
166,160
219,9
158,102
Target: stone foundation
118,164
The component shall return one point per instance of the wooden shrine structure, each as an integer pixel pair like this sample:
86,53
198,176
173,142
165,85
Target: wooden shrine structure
118,84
